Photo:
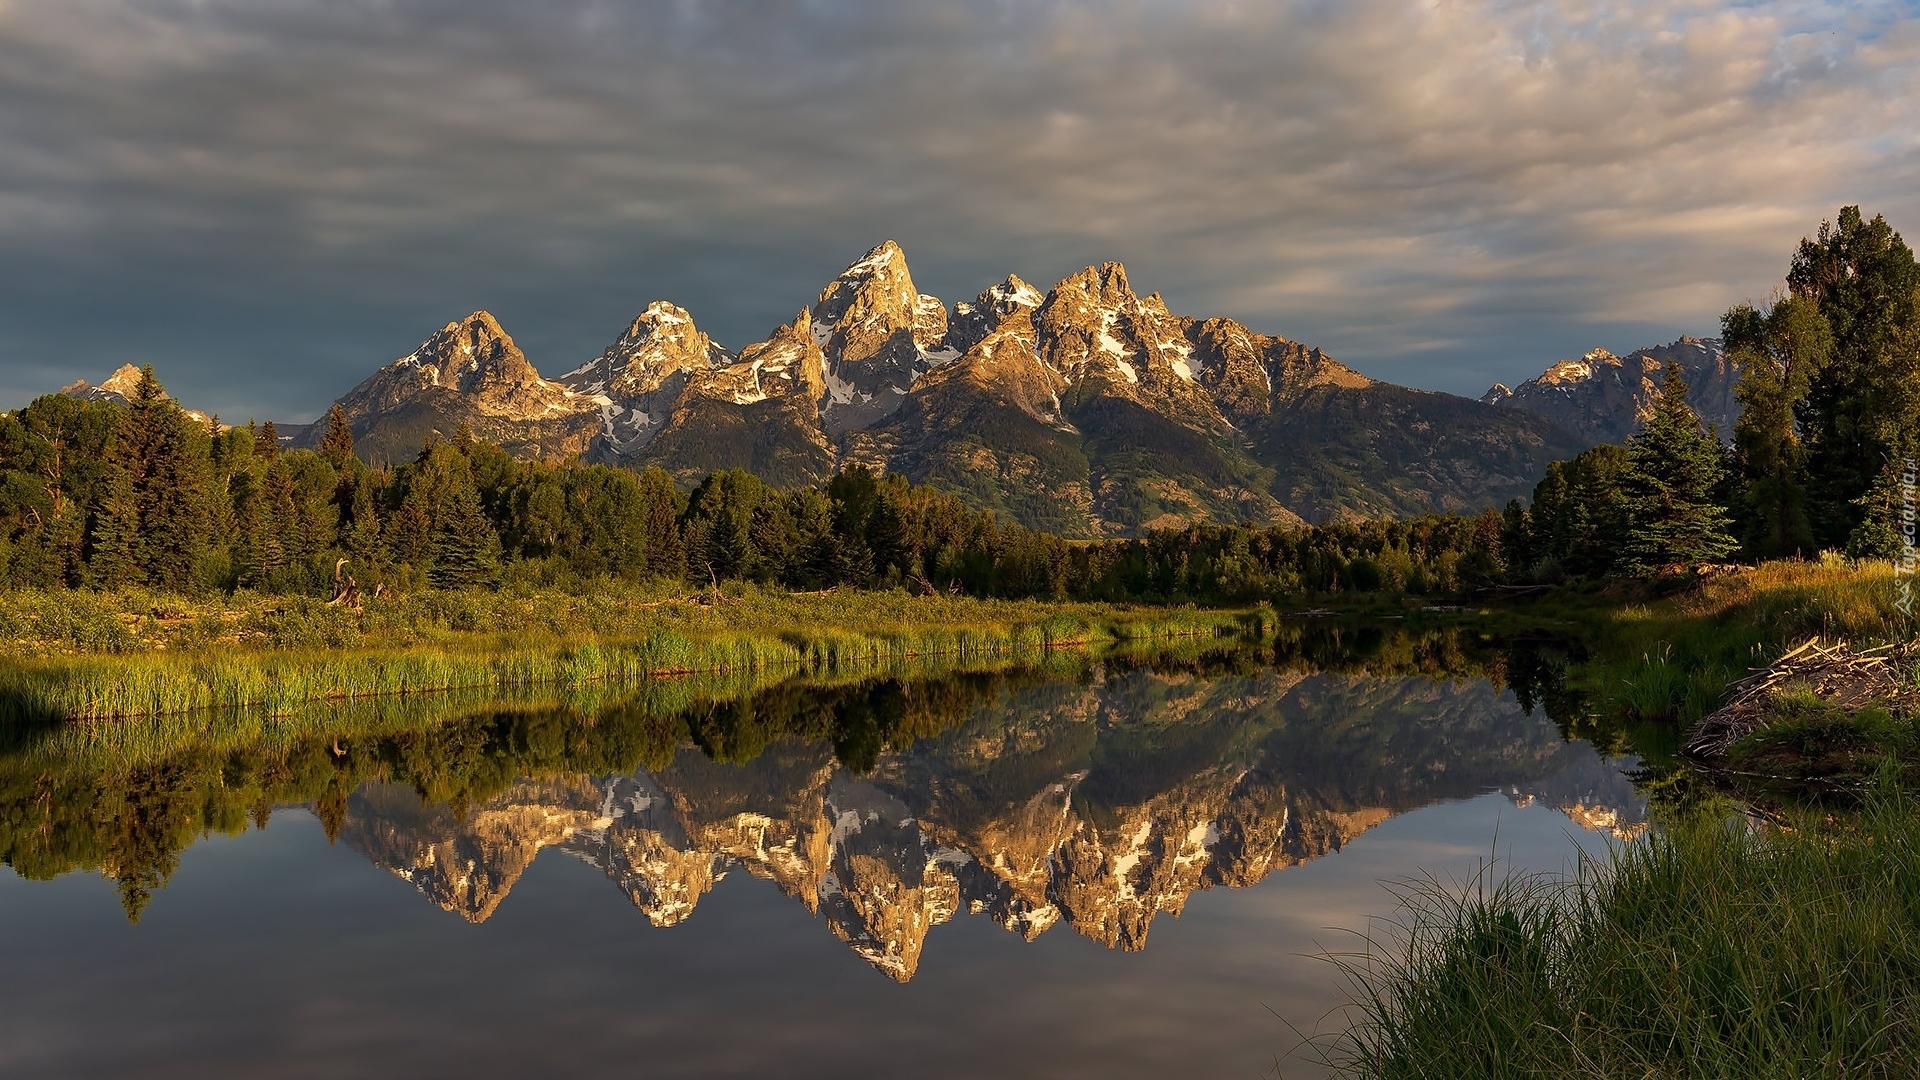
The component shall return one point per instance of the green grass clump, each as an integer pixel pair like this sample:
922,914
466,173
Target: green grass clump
1704,950
1809,740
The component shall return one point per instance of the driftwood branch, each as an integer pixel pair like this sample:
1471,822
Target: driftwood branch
346,591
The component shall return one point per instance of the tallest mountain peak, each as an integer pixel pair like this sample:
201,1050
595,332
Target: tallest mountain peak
882,256
878,280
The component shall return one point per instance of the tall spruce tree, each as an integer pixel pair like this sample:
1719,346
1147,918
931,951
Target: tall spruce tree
153,523
1673,468
337,444
466,550
1779,353
1864,280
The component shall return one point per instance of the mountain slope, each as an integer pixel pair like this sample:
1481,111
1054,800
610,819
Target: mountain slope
761,412
1385,450
990,427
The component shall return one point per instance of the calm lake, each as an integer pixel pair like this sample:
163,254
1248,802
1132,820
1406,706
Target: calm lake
1125,870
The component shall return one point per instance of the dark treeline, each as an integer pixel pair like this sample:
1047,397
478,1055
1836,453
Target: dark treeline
1828,434
101,495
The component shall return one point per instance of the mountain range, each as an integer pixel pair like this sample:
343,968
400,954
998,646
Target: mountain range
1085,410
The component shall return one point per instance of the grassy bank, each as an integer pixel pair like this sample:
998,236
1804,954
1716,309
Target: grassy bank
1711,948
103,656
1668,651
1708,950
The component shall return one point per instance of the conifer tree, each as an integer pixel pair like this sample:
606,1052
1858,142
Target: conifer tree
466,550
152,528
267,524
1673,467
337,444
114,560
1880,534
1864,280
359,517
1779,353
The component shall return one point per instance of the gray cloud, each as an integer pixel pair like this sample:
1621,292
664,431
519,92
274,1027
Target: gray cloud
267,198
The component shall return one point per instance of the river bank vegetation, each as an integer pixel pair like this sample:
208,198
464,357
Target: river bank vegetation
1707,949
1770,926
133,653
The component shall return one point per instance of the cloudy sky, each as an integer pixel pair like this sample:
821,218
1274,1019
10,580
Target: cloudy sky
269,198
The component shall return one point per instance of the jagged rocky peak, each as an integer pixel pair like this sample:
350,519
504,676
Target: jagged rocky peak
476,359
973,321
118,386
636,381
1103,286
789,363
124,381
1108,341
471,355
662,341
469,372
1084,323
865,311
876,333
1594,362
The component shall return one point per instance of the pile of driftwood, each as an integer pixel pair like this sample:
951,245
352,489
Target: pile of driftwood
1837,673
346,591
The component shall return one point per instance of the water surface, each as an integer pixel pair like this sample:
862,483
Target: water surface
1123,872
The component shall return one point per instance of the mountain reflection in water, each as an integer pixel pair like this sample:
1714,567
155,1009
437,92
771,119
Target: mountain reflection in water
938,821
1099,802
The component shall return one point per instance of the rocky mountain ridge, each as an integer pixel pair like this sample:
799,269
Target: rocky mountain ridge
1604,398
119,388
1086,409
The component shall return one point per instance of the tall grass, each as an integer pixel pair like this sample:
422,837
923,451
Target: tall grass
123,743
63,623
514,643
1706,950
